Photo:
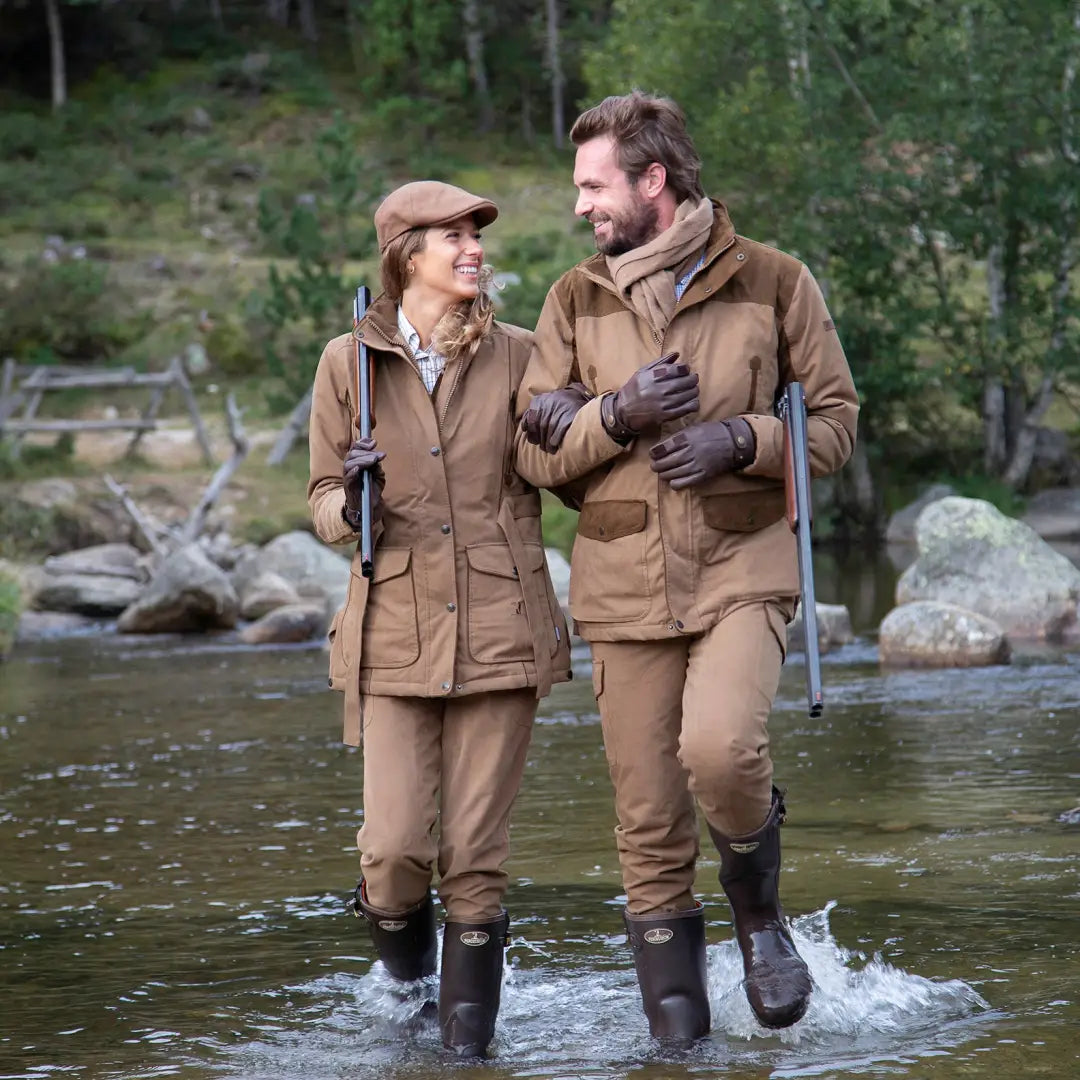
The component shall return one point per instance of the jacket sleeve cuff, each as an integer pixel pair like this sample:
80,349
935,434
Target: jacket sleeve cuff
769,436
329,519
585,447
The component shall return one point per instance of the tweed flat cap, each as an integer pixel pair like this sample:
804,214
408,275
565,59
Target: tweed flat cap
428,202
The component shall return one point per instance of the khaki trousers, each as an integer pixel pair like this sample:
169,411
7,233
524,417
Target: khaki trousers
686,718
456,762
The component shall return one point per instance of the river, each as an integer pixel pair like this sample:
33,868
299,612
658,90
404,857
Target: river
177,827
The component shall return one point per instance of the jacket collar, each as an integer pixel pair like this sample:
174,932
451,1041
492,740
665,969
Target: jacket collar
379,327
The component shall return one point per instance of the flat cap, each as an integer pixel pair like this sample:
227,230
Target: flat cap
428,202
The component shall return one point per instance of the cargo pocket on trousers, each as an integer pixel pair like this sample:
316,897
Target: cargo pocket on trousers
779,614
390,636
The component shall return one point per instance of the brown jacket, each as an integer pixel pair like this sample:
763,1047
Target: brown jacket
461,601
650,562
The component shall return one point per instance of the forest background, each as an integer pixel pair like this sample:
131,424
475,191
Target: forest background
202,173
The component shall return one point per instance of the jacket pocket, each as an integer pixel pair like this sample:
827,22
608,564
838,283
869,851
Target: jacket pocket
610,519
743,511
390,636
338,668
498,624
555,629
609,582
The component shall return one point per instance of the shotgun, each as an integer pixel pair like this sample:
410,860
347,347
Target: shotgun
792,409
363,420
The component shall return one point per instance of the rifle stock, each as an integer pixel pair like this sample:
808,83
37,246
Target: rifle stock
800,520
363,420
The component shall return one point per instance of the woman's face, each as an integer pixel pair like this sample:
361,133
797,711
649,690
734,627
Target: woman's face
450,261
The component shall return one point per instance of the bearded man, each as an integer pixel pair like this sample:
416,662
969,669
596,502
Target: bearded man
651,390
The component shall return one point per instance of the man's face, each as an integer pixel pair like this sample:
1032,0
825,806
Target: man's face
621,217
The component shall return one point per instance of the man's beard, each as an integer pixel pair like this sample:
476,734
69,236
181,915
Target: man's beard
631,231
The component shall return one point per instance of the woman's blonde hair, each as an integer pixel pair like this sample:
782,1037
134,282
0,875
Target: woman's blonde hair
465,325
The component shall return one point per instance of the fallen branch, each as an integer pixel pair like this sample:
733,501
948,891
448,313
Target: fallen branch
197,518
296,423
151,530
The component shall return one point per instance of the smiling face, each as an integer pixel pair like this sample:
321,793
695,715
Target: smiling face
449,262
622,215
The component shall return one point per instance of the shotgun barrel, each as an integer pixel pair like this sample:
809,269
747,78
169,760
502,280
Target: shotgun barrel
800,519
363,419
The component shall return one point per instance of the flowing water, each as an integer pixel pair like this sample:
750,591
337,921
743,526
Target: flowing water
177,824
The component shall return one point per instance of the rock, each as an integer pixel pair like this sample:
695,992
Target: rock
315,571
38,625
1055,514
266,593
901,527
188,592
833,624
51,516
930,634
87,594
199,119
294,622
109,560
973,556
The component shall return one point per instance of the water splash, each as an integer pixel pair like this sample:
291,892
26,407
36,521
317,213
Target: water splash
584,1019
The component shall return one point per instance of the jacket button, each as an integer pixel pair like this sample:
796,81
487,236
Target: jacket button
446,686
446,530
740,441
435,451
740,256
601,530
459,687
451,607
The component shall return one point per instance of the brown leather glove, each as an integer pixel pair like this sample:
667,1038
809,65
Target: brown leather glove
702,451
362,457
660,391
549,415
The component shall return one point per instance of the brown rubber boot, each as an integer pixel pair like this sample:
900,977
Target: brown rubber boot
406,942
669,955
471,982
777,980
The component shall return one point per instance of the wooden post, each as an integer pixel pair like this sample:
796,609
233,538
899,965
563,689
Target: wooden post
181,380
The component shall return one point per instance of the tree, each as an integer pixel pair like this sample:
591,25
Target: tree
921,158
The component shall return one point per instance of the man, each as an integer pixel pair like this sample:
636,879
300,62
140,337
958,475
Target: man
684,572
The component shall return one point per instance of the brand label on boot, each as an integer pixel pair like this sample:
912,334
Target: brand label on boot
744,849
474,937
659,936
392,924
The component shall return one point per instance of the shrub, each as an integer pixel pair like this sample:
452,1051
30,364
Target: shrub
67,310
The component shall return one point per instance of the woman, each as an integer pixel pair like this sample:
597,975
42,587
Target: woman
444,653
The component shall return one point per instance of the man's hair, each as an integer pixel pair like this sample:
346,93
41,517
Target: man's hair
646,128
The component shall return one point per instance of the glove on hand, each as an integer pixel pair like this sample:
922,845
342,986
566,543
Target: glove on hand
549,415
655,393
362,457
702,451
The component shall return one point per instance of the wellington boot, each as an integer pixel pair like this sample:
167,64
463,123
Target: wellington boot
405,943
777,980
471,982
669,955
